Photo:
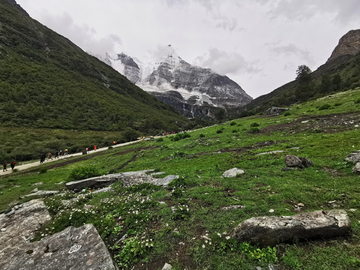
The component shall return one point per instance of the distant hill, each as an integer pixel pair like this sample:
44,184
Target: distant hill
341,72
48,82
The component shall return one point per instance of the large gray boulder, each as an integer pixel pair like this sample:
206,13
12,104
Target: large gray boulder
19,223
127,179
72,249
269,231
354,157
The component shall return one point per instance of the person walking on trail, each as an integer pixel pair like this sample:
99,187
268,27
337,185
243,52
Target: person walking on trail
13,165
56,155
65,152
49,156
42,158
4,166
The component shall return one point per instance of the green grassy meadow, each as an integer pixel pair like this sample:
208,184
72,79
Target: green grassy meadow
155,234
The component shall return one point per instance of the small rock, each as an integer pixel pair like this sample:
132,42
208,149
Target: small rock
167,266
271,211
232,207
301,205
233,172
3,229
38,184
35,190
352,210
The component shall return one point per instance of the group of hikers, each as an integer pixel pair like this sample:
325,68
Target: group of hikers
12,165
58,154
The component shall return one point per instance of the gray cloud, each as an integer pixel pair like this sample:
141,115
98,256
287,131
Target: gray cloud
83,36
225,63
342,11
292,49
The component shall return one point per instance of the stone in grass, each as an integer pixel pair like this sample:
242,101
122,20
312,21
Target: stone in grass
232,207
167,266
354,157
272,230
356,169
42,193
233,172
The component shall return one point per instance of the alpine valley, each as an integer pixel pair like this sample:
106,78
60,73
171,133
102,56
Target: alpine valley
194,91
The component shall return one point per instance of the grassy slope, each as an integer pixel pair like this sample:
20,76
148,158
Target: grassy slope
48,82
200,162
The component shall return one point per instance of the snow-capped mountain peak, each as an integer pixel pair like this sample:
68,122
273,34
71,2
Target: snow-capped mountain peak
192,90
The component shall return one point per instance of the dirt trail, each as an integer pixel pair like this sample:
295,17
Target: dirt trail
84,157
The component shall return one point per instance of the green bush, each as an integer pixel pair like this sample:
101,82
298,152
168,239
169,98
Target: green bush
83,173
201,135
180,136
254,130
219,131
233,123
43,170
160,140
234,131
287,113
337,104
357,101
324,107
254,124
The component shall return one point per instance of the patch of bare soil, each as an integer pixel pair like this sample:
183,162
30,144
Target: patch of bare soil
239,150
332,172
330,123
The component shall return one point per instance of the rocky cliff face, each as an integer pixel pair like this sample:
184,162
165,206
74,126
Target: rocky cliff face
349,44
192,90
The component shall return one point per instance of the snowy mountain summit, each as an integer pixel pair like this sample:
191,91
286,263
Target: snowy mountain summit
192,90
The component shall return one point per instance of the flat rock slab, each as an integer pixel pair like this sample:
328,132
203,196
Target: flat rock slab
42,193
72,249
269,231
233,172
128,179
271,152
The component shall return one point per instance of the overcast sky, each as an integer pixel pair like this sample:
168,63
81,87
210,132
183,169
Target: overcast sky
257,43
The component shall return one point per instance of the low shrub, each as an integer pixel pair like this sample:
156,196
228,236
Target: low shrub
160,140
43,170
324,107
233,123
219,131
287,113
254,130
254,124
83,173
357,101
201,135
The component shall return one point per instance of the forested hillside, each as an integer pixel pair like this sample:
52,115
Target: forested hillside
48,82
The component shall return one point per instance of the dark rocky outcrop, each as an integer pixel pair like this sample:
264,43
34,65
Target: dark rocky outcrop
269,231
275,111
349,44
299,162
